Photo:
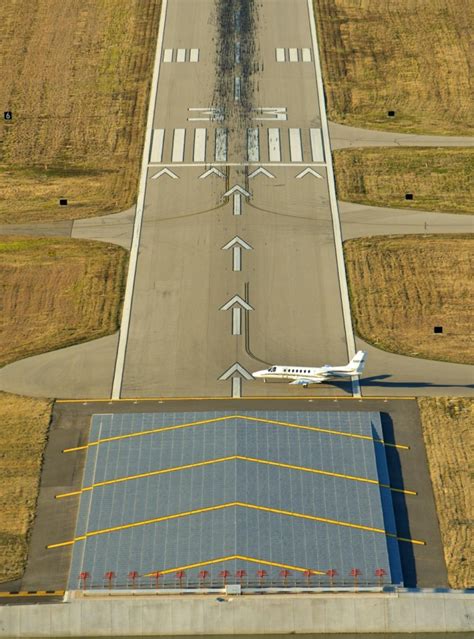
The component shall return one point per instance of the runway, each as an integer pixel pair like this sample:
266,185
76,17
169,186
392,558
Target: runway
235,246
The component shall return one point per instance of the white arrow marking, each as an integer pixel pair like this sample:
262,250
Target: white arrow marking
164,171
211,171
261,171
236,300
237,244
308,171
236,368
236,321
237,204
237,189
237,240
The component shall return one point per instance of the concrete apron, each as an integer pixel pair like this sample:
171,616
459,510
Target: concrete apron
253,615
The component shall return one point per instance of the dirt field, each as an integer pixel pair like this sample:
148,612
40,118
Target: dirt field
57,292
401,287
448,433
439,179
76,77
410,56
22,439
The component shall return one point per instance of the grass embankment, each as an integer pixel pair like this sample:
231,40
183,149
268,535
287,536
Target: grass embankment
57,292
76,77
409,56
401,287
447,430
22,440
439,179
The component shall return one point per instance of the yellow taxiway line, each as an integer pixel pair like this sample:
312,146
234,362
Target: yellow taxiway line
207,509
108,400
219,560
228,417
219,460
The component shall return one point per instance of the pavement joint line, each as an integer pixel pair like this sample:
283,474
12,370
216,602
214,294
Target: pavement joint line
336,222
200,165
207,509
139,210
218,560
229,417
208,462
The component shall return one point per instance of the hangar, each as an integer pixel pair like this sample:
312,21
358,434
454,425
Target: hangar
253,496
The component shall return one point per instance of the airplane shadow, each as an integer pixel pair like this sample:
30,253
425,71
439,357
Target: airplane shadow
379,380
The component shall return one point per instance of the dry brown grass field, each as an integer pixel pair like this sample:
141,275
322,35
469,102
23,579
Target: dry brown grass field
448,433
410,56
76,77
439,179
57,292
402,286
23,436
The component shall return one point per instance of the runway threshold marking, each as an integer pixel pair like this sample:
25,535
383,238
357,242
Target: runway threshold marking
220,460
219,560
233,504
227,417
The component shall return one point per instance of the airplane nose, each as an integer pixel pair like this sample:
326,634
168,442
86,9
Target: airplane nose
257,374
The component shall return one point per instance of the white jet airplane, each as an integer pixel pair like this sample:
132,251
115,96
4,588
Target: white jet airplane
304,376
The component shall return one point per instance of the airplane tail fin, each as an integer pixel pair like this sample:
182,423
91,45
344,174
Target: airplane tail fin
357,363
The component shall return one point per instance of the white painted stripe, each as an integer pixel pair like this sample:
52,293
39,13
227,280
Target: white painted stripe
293,55
137,226
296,152
200,138
336,223
168,56
237,258
274,150
280,55
156,154
237,204
194,55
306,55
237,53
181,55
236,387
317,149
236,324
253,151
237,89
178,145
221,145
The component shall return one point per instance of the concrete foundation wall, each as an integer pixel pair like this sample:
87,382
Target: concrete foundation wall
268,614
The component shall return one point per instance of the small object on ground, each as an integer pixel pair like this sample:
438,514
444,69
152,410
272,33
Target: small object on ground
408,196
7,115
437,329
63,202
391,114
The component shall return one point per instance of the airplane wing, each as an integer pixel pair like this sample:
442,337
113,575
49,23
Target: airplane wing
305,382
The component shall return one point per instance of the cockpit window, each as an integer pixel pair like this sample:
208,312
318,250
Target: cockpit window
273,369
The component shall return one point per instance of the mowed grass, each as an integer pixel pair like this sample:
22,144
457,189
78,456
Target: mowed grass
57,292
438,179
410,56
23,436
76,77
402,286
448,433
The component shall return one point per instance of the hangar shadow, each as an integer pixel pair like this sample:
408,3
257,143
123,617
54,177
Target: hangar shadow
402,522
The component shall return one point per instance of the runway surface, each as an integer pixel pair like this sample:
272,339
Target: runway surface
228,275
